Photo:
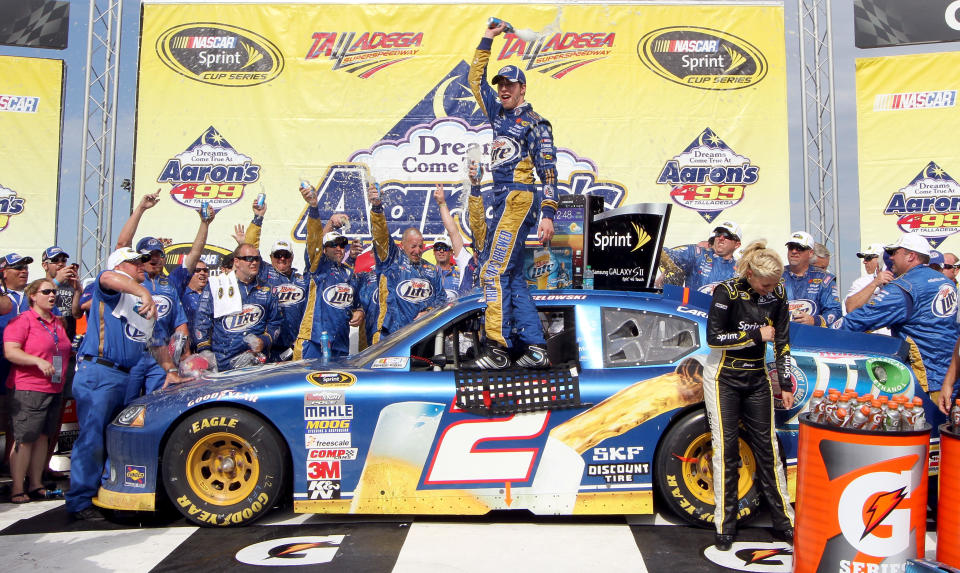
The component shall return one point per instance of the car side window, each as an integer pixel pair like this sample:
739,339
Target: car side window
639,337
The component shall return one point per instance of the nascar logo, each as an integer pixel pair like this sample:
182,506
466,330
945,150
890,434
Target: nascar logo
249,316
289,294
339,295
415,290
702,58
21,104
915,100
219,54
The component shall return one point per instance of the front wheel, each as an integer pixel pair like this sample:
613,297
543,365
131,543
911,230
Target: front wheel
223,466
683,472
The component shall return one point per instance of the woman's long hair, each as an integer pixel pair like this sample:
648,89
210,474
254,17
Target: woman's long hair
763,262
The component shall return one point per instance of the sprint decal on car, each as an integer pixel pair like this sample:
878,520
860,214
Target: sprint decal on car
331,379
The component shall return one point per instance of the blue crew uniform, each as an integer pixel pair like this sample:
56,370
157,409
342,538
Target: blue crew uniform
369,294
523,142
922,304
702,268
814,292
224,336
148,376
405,288
110,348
450,280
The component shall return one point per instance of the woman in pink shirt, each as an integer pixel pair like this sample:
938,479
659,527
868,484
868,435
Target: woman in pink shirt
38,349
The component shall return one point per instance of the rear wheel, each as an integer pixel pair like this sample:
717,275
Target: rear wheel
223,466
683,472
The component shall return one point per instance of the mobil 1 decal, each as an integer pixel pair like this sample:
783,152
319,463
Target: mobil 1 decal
430,145
708,176
929,205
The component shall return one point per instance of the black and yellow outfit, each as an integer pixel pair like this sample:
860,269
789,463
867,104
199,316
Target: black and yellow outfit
736,389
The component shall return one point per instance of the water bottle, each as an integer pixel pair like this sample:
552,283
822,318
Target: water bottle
588,278
876,416
494,22
860,418
815,408
829,406
837,417
324,347
891,418
261,200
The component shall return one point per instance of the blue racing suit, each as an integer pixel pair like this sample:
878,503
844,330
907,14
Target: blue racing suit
450,281
368,292
329,304
405,289
109,350
702,268
815,292
148,376
922,304
522,143
224,335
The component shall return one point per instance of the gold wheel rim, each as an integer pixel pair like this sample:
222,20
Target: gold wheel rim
222,468
697,469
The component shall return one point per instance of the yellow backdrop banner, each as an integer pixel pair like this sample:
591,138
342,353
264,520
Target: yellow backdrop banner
906,127
683,104
30,113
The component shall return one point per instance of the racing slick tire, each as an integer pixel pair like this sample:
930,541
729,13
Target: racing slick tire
683,472
223,467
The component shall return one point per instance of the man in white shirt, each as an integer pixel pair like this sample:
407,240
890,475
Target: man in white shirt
863,289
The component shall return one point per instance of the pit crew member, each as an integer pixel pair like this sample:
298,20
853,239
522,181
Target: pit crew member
705,267
814,299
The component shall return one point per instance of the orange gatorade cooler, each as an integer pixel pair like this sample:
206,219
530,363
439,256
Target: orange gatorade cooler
948,506
861,498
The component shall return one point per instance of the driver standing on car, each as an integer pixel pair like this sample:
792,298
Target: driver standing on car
748,311
409,286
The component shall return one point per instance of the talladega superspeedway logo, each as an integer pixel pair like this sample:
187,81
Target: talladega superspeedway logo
558,53
210,170
10,205
929,205
708,176
364,53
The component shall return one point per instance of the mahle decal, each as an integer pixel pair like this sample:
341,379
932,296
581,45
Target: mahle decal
220,54
702,58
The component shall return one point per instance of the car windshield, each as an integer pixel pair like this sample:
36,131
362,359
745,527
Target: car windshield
396,338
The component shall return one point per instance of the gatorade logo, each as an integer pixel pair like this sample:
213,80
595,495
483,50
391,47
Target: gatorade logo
776,557
868,502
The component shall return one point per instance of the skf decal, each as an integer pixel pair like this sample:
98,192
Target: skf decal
929,205
219,54
702,58
10,205
560,53
708,176
331,379
364,53
307,550
209,170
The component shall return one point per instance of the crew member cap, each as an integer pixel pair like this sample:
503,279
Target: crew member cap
282,245
911,242
13,259
149,245
512,74
333,238
52,252
936,258
122,255
801,238
873,249
443,240
729,227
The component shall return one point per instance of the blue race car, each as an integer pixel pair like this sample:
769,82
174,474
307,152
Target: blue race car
400,428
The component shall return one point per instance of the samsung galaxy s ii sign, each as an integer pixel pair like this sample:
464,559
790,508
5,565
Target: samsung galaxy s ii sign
702,58
220,54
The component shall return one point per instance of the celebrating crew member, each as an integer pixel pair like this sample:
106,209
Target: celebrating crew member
287,283
814,299
239,317
332,303
748,311
523,142
704,267
450,248
148,376
408,286
919,305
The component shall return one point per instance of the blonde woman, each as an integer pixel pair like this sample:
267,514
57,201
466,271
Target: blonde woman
748,311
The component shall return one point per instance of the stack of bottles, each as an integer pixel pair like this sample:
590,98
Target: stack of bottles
848,410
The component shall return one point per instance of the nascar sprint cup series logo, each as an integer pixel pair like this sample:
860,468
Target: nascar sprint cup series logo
209,170
708,176
364,53
929,205
219,54
702,58
559,53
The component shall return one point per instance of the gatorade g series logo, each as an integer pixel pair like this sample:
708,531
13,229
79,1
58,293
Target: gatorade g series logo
246,318
702,58
364,53
559,53
929,205
708,176
219,54
10,205
209,170
776,557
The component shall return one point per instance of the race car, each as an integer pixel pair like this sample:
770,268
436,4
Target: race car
400,428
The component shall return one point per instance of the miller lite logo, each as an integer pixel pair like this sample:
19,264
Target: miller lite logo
339,295
243,320
289,294
415,290
163,304
945,303
503,150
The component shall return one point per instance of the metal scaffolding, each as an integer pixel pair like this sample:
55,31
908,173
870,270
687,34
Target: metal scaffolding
821,205
95,212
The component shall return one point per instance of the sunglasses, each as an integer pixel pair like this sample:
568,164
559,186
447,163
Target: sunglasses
869,257
48,291
337,244
441,248
797,247
282,255
951,267
18,267
248,258
202,270
58,260
726,235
